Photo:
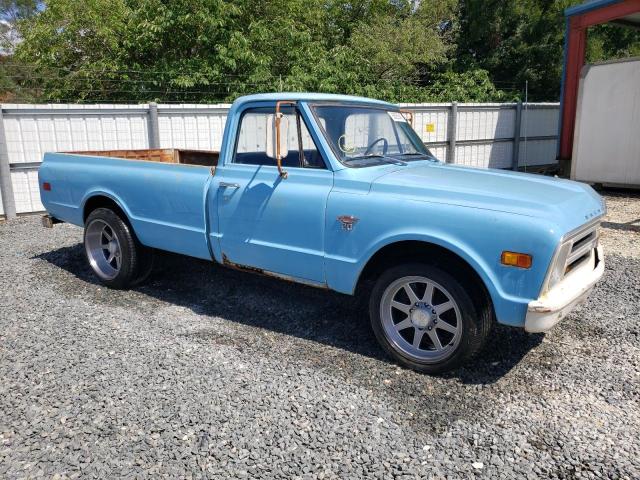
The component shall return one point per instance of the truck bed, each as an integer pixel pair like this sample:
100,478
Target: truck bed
162,191
203,158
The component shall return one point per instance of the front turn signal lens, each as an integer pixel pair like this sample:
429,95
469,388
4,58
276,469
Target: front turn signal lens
514,259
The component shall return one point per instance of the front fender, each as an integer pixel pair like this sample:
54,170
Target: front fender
457,246
343,273
476,235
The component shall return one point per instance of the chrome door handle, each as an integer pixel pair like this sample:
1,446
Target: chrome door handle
229,185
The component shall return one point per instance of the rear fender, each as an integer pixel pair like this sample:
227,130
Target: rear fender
110,195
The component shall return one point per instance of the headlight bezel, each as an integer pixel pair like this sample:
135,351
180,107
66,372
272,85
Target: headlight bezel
557,268
555,274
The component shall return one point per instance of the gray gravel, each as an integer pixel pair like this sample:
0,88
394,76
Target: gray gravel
622,222
210,373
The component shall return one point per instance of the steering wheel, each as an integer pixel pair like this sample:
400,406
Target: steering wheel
385,145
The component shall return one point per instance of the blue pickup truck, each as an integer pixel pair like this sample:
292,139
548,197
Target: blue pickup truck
340,193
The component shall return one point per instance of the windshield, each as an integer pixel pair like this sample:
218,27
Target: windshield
364,135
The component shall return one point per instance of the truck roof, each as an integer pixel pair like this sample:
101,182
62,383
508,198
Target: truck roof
310,97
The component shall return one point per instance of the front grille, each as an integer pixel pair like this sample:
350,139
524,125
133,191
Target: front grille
583,244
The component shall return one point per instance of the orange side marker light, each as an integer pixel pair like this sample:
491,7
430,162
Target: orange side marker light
515,259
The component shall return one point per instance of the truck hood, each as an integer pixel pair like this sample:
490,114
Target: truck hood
567,203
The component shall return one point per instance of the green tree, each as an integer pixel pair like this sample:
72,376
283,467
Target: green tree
10,12
515,41
125,50
607,42
212,50
11,76
523,41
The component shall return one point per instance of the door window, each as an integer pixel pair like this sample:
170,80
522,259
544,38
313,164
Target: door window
253,137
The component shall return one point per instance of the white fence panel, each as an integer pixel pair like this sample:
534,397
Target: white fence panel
26,191
483,134
486,122
537,152
431,121
32,130
540,119
485,155
538,132
198,127
440,152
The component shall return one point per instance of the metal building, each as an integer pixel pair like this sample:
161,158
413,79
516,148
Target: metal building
579,18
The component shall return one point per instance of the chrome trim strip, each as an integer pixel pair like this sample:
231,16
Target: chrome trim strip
581,251
582,228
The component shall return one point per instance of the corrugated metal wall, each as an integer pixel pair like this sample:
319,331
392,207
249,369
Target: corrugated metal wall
484,134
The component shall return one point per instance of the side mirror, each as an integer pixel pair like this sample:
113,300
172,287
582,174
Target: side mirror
277,133
272,136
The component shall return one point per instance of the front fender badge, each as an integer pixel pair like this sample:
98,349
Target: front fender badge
348,221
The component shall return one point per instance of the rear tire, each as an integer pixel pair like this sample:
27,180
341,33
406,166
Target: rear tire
113,252
425,319
145,265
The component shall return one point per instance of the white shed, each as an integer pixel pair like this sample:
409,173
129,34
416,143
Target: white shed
606,146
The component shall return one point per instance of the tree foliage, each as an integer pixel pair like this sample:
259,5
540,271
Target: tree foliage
213,50
11,76
523,41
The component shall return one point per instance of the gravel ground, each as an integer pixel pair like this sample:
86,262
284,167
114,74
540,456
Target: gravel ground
206,372
622,220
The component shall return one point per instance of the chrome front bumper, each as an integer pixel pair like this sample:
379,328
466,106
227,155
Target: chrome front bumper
546,311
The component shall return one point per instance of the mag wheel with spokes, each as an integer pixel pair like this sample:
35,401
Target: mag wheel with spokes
103,249
425,319
112,251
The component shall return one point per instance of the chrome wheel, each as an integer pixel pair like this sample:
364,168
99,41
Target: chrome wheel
103,249
421,319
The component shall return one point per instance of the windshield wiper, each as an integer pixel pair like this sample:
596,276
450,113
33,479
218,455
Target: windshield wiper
393,161
417,154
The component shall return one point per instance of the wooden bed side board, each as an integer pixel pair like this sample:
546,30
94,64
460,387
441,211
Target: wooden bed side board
205,158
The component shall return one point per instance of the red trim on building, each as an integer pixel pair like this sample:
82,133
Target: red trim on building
577,40
575,60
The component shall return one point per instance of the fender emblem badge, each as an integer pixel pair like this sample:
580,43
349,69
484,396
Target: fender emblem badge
348,221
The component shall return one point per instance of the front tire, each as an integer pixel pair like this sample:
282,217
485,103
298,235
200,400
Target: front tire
113,253
424,318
